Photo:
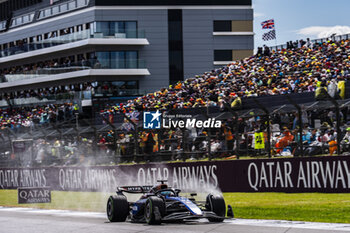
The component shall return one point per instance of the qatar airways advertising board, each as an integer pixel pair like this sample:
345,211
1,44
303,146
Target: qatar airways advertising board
296,175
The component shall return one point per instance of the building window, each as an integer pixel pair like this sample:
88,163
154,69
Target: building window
222,26
222,55
233,26
72,5
117,59
80,28
2,25
116,88
121,29
61,8
47,12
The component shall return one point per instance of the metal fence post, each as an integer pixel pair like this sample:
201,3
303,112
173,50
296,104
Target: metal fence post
301,146
183,144
337,115
228,107
114,132
136,136
208,137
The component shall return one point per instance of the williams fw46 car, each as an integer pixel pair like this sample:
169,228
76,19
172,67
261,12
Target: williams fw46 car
161,203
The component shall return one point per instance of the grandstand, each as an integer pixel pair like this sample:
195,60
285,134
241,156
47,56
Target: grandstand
121,138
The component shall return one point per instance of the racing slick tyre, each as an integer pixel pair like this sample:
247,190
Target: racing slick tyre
216,204
154,210
117,208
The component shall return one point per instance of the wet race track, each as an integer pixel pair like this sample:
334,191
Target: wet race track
18,220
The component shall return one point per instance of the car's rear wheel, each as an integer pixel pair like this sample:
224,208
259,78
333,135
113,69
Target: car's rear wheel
216,204
154,210
117,208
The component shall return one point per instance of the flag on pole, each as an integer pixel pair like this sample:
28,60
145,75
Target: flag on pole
268,24
271,35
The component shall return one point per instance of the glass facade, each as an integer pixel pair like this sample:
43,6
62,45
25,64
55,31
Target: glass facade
61,8
23,19
116,88
222,55
121,29
2,25
222,26
117,59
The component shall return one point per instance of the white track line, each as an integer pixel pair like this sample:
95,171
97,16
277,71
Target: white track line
59,213
292,224
248,222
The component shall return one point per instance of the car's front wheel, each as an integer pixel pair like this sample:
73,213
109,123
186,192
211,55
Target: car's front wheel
154,210
216,204
117,208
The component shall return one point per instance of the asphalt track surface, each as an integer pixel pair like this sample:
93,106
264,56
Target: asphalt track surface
26,220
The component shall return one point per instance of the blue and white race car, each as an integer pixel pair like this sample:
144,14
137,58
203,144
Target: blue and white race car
161,203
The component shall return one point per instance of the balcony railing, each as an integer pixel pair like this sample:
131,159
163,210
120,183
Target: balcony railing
74,96
78,66
68,38
117,92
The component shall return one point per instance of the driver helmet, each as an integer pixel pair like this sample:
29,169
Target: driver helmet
159,187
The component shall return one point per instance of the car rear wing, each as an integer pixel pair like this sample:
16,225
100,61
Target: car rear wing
134,189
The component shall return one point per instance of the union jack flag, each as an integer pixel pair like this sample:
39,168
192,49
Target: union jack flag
268,24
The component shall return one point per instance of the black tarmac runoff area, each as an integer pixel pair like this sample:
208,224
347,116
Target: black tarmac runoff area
24,220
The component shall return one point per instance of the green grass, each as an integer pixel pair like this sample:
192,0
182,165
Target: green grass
314,207
84,201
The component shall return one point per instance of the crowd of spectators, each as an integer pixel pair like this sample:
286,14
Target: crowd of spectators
298,69
51,66
27,117
49,92
319,136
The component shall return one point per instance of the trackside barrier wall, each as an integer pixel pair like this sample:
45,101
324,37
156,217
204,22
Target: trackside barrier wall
293,175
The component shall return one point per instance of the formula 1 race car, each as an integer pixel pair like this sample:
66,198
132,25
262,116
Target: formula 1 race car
161,203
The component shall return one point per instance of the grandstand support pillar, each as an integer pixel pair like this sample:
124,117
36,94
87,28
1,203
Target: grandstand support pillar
236,134
262,107
300,142
136,136
91,125
183,144
337,116
60,133
209,144
77,125
228,107
9,134
115,141
208,137
114,131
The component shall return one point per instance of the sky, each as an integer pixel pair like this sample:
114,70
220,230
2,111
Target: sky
301,19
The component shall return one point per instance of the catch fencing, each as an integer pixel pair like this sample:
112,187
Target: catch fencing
115,138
